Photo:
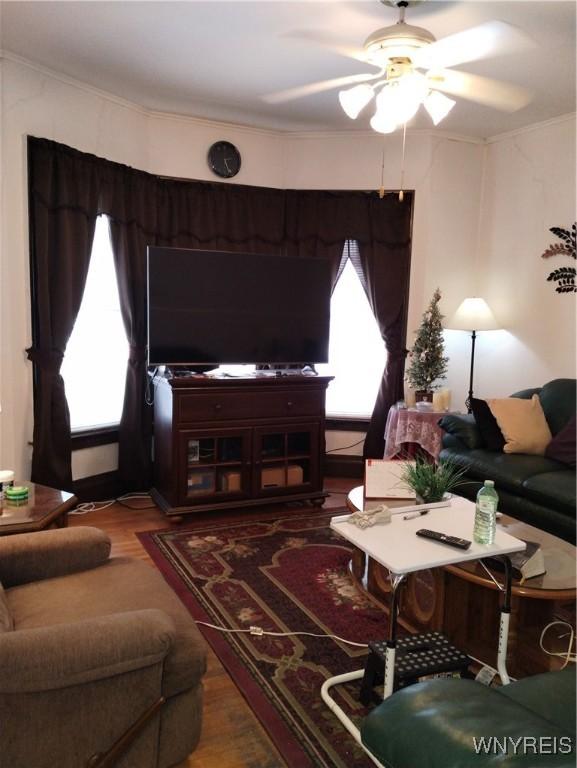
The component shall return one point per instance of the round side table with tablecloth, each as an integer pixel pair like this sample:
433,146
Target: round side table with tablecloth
407,427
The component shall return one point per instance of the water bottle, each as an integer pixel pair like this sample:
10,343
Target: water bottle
485,514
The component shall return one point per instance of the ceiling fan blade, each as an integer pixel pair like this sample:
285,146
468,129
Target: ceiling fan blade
493,38
321,40
484,90
309,90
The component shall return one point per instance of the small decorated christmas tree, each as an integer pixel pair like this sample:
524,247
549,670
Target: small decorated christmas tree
427,362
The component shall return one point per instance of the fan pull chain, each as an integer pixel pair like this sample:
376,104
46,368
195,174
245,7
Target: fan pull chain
401,193
382,187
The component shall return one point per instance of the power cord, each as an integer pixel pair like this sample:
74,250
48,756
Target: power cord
568,655
93,506
149,388
259,631
345,447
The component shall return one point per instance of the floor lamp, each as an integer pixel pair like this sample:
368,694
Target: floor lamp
474,314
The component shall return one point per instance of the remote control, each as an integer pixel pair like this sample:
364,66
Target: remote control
444,538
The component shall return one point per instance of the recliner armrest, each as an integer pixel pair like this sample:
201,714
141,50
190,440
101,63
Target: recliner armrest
29,557
62,655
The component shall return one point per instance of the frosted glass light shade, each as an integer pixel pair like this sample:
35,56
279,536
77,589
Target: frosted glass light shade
382,123
355,99
474,314
399,101
438,106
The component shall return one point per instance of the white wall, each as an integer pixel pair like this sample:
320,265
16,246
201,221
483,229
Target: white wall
445,172
529,187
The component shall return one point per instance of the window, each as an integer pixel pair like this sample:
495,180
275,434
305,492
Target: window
357,354
94,367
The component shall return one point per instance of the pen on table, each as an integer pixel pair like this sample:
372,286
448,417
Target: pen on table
413,515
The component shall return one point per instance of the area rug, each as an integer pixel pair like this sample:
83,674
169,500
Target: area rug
284,574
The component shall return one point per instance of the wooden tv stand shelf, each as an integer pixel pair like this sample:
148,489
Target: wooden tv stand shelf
223,442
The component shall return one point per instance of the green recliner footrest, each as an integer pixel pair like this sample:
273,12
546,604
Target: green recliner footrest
435,724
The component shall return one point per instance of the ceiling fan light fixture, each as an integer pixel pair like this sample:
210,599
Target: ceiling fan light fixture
383,123
399,101
397,41
438,106
354,100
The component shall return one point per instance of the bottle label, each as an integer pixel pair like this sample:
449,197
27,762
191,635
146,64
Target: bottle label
487,505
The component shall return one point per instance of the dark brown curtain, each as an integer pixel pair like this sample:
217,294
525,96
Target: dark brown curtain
129,198
218,216
63,204
385,258
318,223
68,189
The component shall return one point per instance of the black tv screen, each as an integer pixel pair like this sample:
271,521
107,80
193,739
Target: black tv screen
212,307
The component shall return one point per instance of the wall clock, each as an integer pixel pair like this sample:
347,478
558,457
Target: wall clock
224,159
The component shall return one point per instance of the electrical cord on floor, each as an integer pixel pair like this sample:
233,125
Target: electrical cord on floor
259,631
345,447
93,506
568,655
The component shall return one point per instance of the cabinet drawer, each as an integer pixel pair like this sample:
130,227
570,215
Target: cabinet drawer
213,405
281,404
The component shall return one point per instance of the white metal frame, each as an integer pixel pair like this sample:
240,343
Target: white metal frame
390,654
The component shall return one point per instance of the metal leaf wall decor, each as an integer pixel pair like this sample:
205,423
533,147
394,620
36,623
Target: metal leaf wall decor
564,276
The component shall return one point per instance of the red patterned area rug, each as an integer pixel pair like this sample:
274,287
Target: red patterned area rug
284,574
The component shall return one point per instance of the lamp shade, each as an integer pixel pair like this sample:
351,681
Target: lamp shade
474,314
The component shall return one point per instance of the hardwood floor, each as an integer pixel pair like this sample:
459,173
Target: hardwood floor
232,737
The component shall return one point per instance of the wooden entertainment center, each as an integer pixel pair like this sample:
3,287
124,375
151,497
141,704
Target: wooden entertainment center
223,442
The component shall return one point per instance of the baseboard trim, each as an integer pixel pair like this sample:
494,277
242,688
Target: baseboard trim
344,466
98,487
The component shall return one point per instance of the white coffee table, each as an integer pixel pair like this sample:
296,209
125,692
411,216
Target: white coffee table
396,546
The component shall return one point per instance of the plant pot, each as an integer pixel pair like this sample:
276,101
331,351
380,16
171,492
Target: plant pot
422,396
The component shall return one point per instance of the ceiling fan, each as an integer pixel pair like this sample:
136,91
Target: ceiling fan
415,68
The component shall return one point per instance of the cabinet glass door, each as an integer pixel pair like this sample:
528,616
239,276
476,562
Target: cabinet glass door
215,465
285,458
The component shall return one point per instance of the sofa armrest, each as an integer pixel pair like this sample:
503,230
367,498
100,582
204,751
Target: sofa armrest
464,428
63,655
29,557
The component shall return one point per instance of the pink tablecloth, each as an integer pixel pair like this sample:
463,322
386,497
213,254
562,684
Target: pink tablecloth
412,426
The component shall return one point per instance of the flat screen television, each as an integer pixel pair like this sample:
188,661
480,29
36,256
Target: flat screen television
211,307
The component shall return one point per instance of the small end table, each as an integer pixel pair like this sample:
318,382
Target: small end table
45,507
408,425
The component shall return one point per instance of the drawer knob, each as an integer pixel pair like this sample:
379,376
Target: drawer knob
217,407
289,404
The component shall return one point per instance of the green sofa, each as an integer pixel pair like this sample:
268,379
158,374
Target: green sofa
440,723
534,489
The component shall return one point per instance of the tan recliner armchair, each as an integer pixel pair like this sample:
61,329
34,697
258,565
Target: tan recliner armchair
100,663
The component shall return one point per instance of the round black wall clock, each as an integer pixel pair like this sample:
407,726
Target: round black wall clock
224,159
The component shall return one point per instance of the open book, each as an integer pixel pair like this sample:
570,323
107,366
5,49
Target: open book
526,564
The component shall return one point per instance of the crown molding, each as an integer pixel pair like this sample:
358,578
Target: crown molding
571,116
369,134
72,81
271,132
221,124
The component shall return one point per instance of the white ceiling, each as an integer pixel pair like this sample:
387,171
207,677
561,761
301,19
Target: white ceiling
217,59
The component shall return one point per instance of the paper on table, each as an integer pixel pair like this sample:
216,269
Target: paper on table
383,481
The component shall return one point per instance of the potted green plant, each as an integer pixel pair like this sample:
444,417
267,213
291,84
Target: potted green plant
427,363
431,482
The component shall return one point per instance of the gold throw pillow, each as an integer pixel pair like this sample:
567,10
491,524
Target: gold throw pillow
522,423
